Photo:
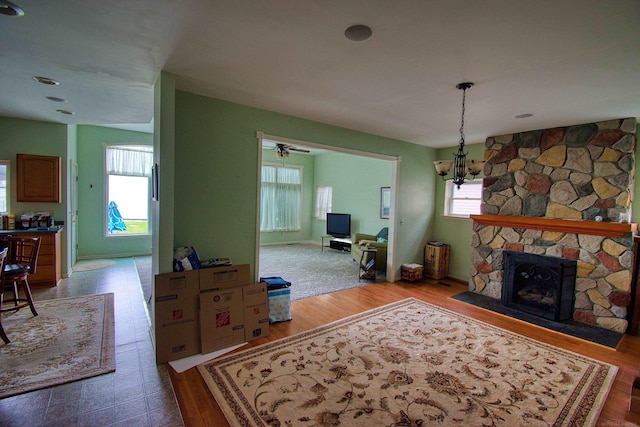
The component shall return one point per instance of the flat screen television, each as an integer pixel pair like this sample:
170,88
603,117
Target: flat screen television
339,225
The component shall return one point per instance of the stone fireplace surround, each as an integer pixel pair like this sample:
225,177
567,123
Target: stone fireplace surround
542,192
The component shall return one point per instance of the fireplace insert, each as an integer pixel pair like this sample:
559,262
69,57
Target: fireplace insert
540,285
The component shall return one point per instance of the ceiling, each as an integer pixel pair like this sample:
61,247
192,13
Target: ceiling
566,62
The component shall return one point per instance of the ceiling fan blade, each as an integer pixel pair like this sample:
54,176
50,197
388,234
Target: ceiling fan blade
302,150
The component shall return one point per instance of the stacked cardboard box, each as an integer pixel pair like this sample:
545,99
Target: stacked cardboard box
200,311
177,326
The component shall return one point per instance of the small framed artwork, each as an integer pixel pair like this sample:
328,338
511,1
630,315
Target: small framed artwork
385,202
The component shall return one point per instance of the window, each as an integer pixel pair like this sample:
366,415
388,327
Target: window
281,192
4,186
128,171
464,201
324,197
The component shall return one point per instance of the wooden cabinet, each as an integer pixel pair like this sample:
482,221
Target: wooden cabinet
49,267
436,260
38,178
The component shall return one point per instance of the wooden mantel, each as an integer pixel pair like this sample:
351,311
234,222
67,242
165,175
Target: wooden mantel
609,229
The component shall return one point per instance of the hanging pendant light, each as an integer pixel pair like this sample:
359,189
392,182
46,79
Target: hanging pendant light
461,166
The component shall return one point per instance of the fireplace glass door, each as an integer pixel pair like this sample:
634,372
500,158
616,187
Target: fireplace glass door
540,285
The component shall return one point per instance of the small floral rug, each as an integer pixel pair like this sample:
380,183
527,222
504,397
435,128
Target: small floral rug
70,339
408,363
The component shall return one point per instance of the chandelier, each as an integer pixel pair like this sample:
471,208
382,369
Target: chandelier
461,166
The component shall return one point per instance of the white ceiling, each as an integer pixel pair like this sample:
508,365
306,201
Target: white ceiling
566,62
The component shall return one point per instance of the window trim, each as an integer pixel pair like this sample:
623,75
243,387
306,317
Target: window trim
106,174
7,163
448,199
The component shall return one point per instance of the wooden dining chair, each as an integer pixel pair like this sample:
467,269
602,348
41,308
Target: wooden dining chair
21,261
3,257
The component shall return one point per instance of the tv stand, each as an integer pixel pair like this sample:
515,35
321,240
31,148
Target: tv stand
337,243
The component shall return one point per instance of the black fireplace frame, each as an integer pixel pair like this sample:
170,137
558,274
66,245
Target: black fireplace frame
566,270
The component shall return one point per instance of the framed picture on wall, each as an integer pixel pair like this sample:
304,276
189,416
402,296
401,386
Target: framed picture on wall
385,202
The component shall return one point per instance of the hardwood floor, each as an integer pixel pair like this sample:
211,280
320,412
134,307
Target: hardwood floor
200,409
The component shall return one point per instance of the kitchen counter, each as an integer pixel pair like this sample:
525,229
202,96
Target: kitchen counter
39,230
48,269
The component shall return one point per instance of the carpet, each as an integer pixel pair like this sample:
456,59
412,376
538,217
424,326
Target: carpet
92,264
408,363
311,271
70,339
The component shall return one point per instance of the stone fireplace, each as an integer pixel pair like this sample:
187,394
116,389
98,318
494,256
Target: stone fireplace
562,193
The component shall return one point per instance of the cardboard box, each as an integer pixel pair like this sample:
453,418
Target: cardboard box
221,318
224,276
176,323
256,311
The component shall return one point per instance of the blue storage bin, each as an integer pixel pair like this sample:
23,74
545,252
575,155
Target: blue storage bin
279,297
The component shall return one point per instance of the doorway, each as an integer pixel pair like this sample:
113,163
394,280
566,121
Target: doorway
363,190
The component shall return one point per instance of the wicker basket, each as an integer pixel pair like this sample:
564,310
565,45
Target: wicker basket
411,273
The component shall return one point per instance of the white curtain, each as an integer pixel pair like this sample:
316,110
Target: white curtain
132,160
324,197
280,198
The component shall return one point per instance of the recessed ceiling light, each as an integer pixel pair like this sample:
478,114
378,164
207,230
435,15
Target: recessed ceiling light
523,116
55,99
46,81
67,112
9,9
358,33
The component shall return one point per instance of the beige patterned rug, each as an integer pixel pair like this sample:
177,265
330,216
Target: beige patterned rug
70,339
408,364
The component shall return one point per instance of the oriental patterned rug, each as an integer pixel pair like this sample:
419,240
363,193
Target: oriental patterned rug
70,339
408,363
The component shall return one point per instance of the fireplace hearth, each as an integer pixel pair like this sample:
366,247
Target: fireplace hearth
539,285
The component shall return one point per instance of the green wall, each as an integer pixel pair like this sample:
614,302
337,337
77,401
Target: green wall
356,183
33,137
92,241
216,173
45,139
457,232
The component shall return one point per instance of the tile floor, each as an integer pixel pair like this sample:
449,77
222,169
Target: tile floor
138,393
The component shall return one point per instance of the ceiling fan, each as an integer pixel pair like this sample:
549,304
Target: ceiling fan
282,150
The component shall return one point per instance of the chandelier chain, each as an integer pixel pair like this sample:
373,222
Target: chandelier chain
464,96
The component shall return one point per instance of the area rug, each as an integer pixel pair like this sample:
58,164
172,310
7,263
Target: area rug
408,363
311,271
70,339
92,264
